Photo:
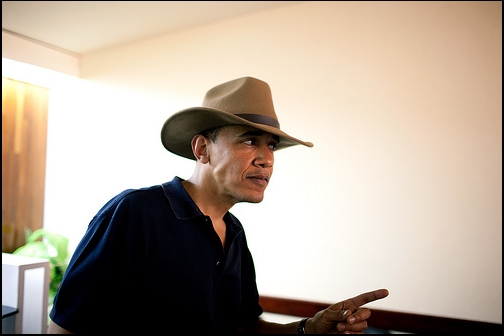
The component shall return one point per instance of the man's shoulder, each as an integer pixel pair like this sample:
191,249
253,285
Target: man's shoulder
133,194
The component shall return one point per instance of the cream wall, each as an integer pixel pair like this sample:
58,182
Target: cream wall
403,188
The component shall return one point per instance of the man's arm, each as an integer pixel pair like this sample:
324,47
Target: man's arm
265,327
344,316
56,329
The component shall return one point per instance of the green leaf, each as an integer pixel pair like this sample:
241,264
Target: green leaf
35,249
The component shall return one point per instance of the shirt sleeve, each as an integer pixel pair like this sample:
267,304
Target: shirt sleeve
90,280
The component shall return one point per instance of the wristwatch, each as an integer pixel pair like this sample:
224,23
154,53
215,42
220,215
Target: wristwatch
301,327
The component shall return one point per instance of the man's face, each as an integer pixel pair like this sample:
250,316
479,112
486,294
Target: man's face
241,162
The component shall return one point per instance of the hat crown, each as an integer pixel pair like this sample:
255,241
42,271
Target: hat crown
242,96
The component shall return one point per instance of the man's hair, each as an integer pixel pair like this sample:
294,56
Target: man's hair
211,133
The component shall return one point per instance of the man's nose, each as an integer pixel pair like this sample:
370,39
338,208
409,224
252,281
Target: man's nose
265,157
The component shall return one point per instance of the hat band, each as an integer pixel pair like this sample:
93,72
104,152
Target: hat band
260,119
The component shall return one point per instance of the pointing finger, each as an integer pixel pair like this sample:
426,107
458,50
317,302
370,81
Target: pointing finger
364,298
361,299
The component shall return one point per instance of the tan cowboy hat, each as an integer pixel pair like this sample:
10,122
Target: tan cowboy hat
243,101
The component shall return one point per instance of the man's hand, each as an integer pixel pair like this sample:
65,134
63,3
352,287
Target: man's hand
345,317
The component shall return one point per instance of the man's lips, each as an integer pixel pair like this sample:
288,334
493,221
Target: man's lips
259,178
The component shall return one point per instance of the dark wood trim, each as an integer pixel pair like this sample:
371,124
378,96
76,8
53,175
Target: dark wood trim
384,319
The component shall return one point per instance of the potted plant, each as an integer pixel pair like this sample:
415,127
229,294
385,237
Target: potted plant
49,245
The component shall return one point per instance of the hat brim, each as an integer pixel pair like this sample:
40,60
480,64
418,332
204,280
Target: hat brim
179,129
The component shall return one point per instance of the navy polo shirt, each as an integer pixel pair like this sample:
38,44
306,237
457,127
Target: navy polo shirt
151,261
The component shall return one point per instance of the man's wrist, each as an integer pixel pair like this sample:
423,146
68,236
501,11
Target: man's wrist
301,327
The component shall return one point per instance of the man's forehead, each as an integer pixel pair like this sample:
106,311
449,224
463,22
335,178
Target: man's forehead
246,130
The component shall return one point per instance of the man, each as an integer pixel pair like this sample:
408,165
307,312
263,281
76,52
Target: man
171,258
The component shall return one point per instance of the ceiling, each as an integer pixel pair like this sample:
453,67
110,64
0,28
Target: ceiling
81,27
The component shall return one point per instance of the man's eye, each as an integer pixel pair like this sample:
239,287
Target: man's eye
273,146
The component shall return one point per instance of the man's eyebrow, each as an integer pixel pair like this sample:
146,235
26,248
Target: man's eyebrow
251,133
258,133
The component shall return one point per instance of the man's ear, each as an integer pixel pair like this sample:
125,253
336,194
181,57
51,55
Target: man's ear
199,147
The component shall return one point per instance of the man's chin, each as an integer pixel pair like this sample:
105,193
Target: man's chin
253,199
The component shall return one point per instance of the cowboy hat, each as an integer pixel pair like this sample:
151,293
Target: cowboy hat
243,101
